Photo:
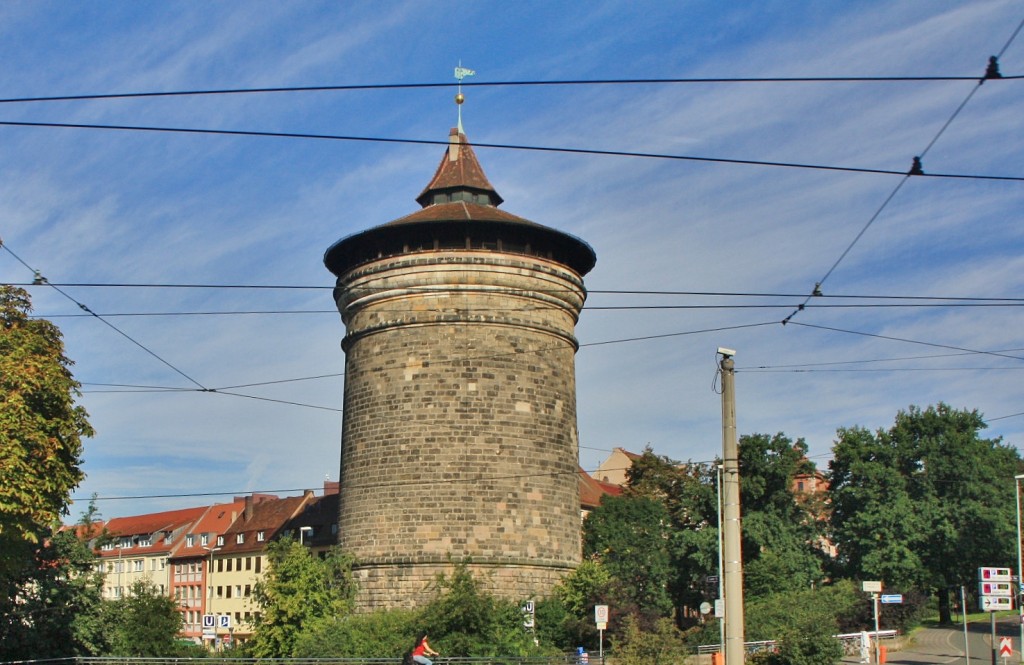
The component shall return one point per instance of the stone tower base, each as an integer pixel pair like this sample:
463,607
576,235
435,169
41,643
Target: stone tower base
411,584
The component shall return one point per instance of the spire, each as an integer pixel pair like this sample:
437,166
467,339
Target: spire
461,73
459,177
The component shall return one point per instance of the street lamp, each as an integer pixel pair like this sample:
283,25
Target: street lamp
1020,572
304,530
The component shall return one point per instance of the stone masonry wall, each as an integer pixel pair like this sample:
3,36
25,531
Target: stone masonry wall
459,437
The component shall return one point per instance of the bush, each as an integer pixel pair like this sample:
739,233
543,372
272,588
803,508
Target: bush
383,634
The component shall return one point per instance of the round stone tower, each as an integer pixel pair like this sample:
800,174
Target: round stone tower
459,438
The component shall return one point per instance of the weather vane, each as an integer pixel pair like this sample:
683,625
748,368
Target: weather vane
461,73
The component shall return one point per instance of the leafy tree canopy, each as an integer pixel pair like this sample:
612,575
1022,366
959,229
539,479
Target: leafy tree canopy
924,503
630,535
41,429
52,610
297,591
143,623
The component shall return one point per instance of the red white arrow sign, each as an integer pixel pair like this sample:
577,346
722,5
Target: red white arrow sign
1005,647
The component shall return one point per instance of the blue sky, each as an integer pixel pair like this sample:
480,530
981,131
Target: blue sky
105,207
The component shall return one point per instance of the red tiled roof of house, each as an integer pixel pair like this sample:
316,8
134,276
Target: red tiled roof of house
268,517
155,525
591,490
215,521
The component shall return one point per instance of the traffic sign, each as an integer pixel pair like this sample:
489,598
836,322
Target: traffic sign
891,598
1005,647
988,574
209,621
600,614
223,620
995,588
993,603
871,586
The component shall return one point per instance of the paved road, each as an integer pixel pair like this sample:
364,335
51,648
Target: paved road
946,645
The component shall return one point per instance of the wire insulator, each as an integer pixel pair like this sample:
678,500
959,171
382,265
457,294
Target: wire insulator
915,168
992,71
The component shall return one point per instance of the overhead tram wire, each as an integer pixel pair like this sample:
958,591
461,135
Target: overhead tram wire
931,356
43,281
627,292
489,84
590,308
499,146
908,341
916,170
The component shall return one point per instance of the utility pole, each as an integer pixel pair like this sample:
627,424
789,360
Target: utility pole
733,558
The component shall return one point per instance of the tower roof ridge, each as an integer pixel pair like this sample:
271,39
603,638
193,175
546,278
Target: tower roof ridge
458,172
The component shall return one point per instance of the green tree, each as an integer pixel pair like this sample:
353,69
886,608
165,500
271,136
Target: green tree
298,590
143,623
688,492
630,535
565,619
41,430
53,610
924,503
802,622
663,644
382,634
781,535
464,620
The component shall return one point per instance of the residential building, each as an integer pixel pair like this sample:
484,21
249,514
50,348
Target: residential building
190,563
138,547
239,561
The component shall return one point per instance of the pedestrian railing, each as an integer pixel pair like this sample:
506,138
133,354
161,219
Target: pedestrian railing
565,659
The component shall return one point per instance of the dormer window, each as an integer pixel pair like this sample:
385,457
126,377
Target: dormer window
190,540
220,540
240,538
260,536
204,539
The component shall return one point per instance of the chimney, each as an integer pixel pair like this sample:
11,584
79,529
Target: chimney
453,145
248,508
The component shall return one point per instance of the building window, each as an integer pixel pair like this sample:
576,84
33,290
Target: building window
259,536
259,564
190,540
248,563
240,538
204,539
220,540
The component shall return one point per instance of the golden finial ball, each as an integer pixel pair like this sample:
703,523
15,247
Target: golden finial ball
459,98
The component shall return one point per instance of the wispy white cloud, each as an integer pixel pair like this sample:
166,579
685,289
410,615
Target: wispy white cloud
92,206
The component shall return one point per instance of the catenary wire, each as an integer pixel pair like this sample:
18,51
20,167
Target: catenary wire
906,340
590,308
915,171
491,84
510,291
84,308
497,146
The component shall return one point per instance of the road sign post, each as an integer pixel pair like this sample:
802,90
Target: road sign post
601,619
